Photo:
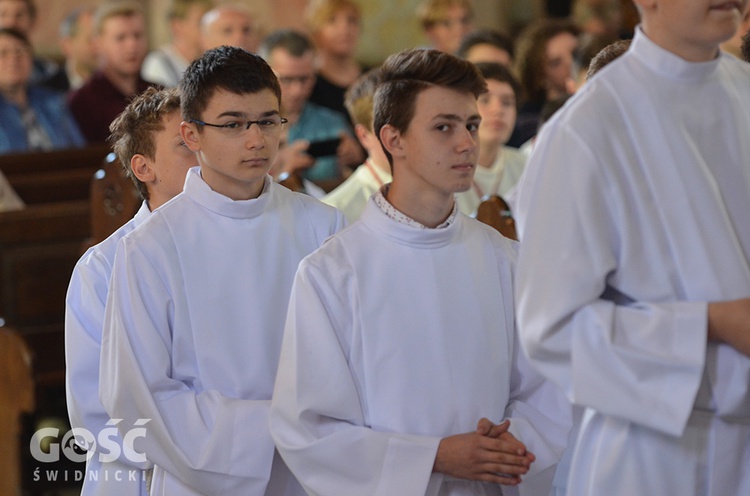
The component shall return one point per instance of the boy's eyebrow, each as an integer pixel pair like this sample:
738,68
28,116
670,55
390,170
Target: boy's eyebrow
456,117
243,115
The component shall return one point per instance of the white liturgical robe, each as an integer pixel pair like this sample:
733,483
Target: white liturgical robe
396,337
84,321
634,214
193,329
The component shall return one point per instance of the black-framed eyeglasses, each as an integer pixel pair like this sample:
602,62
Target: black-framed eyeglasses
270,125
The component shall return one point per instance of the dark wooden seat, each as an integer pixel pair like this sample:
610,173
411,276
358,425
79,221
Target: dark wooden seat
55,176
114,199
16,399
495,212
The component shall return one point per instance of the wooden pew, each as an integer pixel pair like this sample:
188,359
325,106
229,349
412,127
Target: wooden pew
55,176
39,247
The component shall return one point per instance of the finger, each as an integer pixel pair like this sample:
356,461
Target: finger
503,445
499,429
484,426
498,478
502,458
503,468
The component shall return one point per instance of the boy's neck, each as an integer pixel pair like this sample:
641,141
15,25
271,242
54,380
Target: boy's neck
429,208
692,52
234,190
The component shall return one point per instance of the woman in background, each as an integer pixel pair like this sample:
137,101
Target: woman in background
31,118
544,65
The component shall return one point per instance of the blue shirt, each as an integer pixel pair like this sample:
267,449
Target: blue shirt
317,123
52,115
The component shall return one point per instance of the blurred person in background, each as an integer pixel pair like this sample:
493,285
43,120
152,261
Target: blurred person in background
487,45
498,166
77,46
545,53
229,24
21,16
165,65
33,118
446,22
334,28
121,45
291,55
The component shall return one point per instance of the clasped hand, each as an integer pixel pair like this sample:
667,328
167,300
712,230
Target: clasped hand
489,454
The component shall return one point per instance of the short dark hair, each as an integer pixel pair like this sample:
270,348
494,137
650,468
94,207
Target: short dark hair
746,47
486,37
406,74
232,69
498,72
134,129
14,33
294,42
606,55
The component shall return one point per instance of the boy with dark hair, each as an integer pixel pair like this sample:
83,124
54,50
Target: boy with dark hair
196,313
498,166
636,301
400,341
351,196
487,45
146,138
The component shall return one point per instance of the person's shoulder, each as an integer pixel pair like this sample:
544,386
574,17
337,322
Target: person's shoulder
734,65
46,96
304,203
103,253
89,88
487,234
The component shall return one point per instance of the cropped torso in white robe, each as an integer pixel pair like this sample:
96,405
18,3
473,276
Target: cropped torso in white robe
193,330
634,213
84,320
351,196
397,337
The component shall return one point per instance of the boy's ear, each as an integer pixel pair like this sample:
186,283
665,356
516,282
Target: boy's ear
141,167
390,137
189,134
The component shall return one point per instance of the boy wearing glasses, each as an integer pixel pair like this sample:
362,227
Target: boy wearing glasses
196,312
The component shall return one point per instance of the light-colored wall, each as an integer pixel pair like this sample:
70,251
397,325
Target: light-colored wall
389,25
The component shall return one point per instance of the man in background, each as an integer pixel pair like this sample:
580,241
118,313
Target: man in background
121,45
229,24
